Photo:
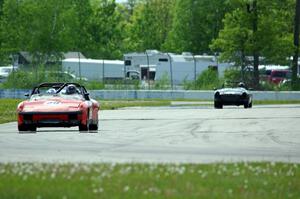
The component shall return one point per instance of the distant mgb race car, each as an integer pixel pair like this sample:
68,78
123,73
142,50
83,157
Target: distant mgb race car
58,105
238,95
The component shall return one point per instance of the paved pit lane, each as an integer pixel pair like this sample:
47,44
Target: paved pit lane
166,134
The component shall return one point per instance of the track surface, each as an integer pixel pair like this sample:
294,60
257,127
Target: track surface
165,134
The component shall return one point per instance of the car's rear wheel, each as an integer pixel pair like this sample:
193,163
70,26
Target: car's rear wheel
246,105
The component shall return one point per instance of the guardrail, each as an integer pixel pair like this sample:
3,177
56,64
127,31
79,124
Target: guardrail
163,94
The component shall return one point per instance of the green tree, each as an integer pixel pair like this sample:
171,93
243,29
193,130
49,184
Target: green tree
84,13
131,5
45,28
296,44
195,24
2,55
149,26
207,80
256,28
106,28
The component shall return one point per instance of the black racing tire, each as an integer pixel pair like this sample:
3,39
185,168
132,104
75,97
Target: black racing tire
250,105
93,127
32,128
26,128
23,127
246,105
218,105
83,127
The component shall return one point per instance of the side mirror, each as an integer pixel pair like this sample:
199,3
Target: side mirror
26,95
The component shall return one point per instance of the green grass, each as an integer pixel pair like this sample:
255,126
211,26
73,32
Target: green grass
115,104
8,109
266,102
242,180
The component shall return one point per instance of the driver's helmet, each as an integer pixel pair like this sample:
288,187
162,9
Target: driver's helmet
242,85
51,91
71,89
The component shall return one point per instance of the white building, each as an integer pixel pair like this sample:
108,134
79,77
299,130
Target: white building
177,67
94,69
151,65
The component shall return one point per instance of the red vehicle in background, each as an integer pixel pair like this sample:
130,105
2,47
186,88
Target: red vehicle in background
278,76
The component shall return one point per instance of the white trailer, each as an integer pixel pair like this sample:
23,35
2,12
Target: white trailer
94,69
180,67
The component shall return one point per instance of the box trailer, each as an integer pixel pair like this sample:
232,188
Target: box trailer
94,69
183,67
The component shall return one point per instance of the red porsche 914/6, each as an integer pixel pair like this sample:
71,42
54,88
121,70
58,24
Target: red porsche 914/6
58,105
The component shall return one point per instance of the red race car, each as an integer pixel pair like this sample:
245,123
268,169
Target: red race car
58,105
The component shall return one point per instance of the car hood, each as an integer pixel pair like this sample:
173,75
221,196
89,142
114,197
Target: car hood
232,91
51,105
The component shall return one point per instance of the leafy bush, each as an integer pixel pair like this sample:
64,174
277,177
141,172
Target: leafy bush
30,77
163,83
297,86
232,75
188,85
94,85
20,79
208,80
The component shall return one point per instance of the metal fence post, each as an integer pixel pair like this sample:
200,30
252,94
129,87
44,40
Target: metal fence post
148,71
103,71
171,69
79,66
195,71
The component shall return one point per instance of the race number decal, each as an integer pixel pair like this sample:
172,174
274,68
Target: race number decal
52,103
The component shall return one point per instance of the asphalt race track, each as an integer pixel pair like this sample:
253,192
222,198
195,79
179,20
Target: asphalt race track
165,134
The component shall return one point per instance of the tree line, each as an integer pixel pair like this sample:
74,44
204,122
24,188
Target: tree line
233,29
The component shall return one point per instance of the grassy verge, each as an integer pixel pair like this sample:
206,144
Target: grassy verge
266,102
243,180
115,104
8,110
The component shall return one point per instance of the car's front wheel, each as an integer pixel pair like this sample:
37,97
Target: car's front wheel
83,127
24,127
218,105
250,105
93,127
247,105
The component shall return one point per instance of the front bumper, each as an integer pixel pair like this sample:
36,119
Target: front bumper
50,119
232,99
